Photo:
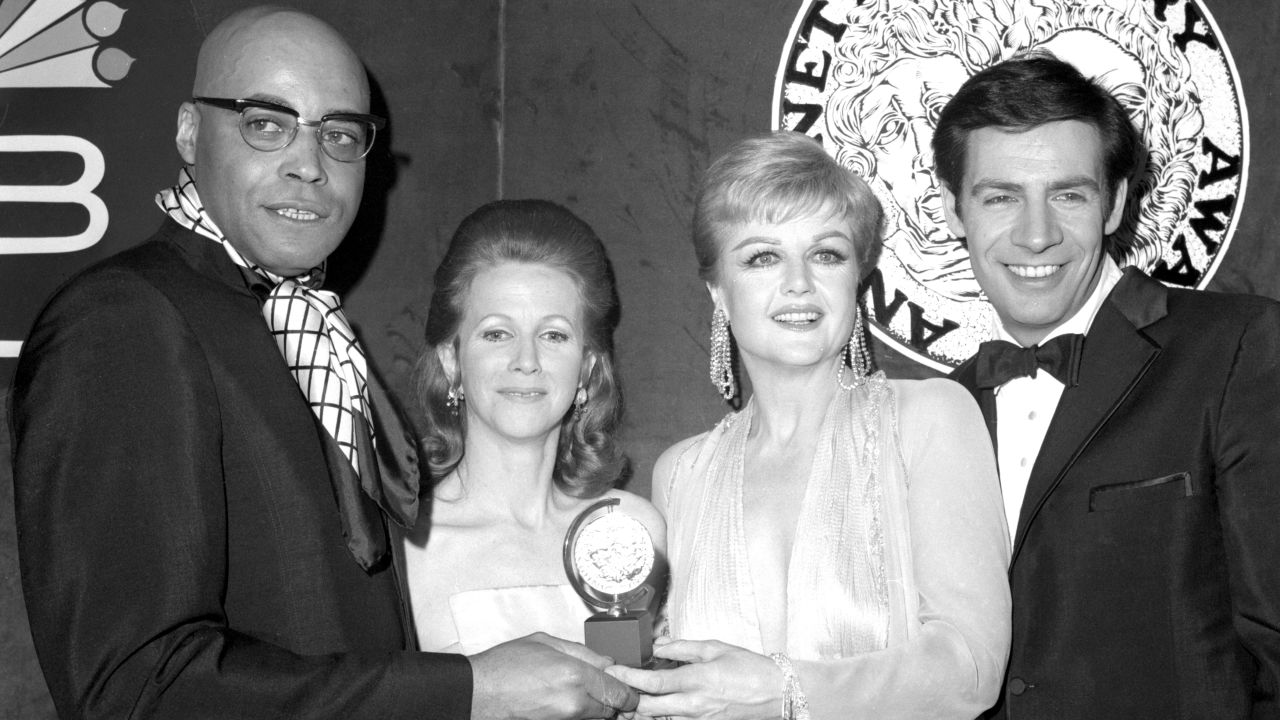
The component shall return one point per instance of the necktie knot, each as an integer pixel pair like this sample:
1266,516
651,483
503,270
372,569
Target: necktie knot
1000,361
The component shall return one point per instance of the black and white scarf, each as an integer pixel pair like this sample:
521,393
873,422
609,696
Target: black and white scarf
326,361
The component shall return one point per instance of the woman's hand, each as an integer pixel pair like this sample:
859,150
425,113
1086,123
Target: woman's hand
719,681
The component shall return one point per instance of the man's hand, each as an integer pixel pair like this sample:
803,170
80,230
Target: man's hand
539,676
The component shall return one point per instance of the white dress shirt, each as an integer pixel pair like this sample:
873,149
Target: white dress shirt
1025,405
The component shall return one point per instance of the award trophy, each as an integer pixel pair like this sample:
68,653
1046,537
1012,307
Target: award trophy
608,556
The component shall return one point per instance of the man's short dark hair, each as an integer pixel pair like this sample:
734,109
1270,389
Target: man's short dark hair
1023,93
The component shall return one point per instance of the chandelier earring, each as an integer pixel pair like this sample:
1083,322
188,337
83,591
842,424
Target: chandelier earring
579,402
722,356
855,358
453,398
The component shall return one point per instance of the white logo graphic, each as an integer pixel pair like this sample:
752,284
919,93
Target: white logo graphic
43,43
79,192
56,44
869,77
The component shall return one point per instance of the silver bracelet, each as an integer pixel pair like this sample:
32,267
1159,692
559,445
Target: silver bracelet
795,706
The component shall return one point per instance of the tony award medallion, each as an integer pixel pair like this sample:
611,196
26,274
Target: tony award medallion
608,555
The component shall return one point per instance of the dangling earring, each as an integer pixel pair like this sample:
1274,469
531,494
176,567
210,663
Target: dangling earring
579,402
454,396
722,356
855,355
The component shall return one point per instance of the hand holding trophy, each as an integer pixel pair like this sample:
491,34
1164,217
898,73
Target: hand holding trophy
608,556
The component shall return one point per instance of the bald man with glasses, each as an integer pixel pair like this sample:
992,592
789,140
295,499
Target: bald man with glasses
204,468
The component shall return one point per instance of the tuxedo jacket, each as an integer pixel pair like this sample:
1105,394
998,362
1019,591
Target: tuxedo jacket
1145,572
179,541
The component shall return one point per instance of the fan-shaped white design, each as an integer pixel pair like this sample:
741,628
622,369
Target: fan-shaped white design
55,43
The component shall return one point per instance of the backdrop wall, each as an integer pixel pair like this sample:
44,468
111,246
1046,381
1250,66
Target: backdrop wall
612,109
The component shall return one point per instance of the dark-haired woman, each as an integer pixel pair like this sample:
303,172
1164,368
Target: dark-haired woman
518,385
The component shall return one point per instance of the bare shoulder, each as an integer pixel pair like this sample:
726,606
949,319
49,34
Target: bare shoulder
449,501
939,422
665,467
667,460
932,400
642,510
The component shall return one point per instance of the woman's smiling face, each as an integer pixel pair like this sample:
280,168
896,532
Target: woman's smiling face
789,289
521,350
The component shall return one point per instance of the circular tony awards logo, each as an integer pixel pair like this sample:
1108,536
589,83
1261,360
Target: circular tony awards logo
868,78
608,556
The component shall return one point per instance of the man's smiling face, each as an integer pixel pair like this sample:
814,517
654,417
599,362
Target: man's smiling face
1034,208
285,210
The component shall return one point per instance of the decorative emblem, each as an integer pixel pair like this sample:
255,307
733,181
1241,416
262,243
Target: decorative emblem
55,43
869,77
608,556
614,553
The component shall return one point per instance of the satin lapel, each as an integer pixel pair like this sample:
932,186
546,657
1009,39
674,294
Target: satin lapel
1116,356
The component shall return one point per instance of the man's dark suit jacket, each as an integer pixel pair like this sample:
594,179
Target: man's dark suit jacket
1146,564
180,546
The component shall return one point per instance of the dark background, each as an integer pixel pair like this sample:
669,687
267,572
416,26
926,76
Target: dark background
610,108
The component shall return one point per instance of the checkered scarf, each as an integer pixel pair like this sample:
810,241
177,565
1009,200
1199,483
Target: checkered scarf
308,324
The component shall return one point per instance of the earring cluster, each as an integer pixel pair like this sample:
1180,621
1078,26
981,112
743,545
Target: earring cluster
855,357
722,356
453,398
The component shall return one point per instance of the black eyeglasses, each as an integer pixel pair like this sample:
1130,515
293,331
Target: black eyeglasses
266,126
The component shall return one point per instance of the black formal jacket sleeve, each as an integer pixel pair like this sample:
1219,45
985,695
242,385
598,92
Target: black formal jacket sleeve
1146,562
179,543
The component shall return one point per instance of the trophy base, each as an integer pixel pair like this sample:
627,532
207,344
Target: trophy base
627,638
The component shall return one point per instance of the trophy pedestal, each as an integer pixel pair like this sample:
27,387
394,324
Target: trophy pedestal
627,638
608,557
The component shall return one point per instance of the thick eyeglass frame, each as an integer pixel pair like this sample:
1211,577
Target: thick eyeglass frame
239,105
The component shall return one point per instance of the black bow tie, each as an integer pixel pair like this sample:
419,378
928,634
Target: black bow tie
1000,361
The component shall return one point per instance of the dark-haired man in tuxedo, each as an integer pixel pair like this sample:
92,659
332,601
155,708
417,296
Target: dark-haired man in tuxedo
1135,425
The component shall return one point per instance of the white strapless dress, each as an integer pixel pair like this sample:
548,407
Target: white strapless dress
490,616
